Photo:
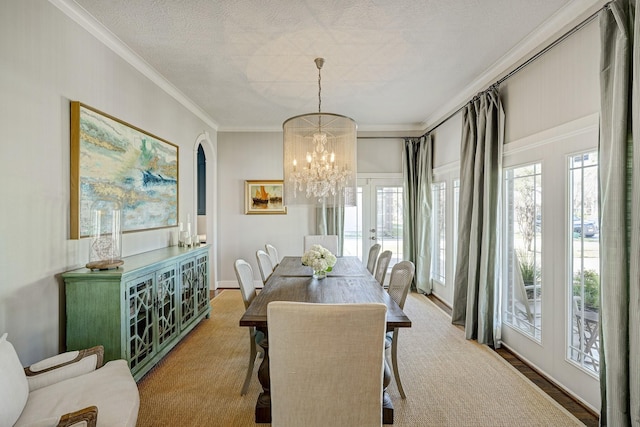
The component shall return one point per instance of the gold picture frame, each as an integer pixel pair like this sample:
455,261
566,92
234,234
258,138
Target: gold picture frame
264,197
111,159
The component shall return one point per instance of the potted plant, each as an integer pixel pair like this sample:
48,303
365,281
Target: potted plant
591,288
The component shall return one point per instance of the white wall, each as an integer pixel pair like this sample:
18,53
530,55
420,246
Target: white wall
47,61
252,156
560,86
258,155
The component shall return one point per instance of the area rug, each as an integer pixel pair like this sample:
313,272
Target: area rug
448,380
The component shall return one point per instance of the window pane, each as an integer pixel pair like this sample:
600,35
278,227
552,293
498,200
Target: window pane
389,221
584,282
523,243
438,191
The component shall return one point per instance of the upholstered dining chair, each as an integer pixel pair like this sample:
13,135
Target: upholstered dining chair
244,274
264,263
381,269
399,283
329,242
273,254
335,379
373,257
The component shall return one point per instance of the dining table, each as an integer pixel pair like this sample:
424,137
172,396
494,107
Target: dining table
349,282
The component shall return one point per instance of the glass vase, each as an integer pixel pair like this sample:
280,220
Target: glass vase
105,241
320,274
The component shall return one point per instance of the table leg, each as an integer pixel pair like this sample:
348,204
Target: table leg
263,405
387,405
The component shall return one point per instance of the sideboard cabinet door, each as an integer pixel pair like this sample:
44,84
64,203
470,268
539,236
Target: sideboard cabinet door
140,295
166,305
141,310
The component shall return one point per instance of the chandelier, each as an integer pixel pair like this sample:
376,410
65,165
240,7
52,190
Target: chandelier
320,157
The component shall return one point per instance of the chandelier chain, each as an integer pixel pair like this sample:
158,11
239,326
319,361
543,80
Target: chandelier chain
319,90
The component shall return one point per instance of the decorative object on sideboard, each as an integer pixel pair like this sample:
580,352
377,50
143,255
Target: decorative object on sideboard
185,237
320,157
105,242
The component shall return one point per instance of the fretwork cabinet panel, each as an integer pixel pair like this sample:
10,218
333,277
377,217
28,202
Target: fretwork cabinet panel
139,311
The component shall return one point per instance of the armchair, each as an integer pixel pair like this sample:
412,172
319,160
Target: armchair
65,390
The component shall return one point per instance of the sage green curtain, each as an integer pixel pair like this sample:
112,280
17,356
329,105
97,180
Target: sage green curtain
476,299
417,170
619,159
330,220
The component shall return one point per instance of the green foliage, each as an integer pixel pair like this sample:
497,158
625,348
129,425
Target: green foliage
591,288
530,272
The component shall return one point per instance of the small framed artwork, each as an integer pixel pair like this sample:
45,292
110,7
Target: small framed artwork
264,197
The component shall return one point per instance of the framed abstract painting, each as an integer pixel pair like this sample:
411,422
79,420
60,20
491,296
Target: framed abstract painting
113,160
264,197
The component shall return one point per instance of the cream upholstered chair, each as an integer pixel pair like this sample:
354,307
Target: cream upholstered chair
335,379
72,388
264,263
244,274
383,264
329,242
373,257
399,283
273,254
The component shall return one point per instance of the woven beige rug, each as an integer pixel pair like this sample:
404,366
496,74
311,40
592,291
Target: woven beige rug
449,381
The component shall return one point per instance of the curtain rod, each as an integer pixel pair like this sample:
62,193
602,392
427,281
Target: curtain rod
384,137
528,61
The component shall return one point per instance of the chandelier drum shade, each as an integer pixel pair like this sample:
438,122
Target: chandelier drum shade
320,157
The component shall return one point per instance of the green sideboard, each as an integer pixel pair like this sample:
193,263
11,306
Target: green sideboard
140,310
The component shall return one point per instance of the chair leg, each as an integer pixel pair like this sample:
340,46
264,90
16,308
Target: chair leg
394,362
252,358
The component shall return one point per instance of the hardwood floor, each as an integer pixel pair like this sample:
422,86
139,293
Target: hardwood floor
584,414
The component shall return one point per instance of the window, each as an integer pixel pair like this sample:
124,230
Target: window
439,236
389,221
584,280
523,244
376,218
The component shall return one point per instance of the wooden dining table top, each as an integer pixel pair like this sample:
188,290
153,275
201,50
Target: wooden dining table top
348,282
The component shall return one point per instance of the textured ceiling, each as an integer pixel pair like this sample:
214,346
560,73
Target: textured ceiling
389,64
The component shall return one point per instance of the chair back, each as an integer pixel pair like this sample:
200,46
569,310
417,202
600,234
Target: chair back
383,264
523,305
400,281
264,263
244,274
373,257
327,241
334,379
273,254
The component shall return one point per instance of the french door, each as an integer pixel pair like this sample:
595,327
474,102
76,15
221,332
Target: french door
377,217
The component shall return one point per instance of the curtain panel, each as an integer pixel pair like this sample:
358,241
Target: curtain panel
330,220
476,302
619,154
417,172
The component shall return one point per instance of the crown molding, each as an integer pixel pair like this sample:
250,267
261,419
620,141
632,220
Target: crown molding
570,14
100,32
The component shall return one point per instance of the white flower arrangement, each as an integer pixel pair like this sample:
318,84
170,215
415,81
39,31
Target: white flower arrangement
319,259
